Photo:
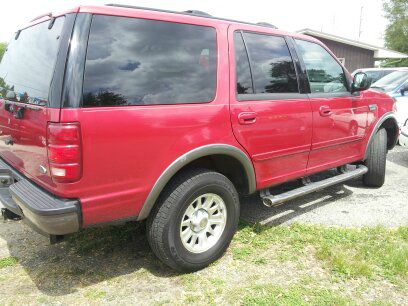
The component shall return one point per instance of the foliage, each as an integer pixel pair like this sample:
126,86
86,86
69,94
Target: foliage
7,262
396,33
348,253
3,47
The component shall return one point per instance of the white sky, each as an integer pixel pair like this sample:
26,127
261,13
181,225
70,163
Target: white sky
341,18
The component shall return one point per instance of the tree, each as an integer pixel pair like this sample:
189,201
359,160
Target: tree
396,33
3,47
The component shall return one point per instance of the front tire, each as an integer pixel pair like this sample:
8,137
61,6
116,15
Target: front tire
194,221
376,160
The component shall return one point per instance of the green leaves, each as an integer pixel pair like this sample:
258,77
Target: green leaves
396,33
3,47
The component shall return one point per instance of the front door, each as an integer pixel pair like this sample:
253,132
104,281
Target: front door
339,118
270,118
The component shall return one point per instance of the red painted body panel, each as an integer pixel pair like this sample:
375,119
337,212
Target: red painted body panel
280,139
29,136
338,136
126,149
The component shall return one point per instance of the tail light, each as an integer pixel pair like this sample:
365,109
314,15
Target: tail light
64,151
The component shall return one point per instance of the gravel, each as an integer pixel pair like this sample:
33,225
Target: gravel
350,204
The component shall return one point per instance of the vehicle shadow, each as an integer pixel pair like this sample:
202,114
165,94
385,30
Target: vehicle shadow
101,254
253,211
398,156
91,256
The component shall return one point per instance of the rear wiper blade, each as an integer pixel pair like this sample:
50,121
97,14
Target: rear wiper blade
378,87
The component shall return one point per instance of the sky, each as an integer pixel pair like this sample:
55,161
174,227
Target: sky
340,18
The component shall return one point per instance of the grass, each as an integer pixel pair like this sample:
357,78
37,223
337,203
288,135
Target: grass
283,265
8,262
348,253
293,295
95,294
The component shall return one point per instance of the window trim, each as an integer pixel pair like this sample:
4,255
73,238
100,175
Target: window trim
57,82
266,96
271,96
323,94
214,97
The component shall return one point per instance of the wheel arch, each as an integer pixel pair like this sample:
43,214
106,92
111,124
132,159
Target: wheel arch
389,122
226,159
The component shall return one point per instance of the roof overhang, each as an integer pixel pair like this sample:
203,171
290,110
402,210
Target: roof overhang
379,52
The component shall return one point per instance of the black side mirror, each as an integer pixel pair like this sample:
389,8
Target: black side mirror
360,82
403,89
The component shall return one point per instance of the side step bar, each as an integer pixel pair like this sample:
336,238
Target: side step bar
271,200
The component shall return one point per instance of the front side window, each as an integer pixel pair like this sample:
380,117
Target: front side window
27,67
272,67
324,73
140,62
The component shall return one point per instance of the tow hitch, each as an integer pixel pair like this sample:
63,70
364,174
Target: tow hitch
9,215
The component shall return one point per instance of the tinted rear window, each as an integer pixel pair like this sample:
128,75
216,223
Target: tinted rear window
137,62
28,64
272,67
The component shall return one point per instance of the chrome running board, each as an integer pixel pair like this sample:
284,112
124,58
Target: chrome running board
272,200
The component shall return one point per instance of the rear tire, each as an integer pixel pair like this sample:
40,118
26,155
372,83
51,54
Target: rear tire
186,230
376,160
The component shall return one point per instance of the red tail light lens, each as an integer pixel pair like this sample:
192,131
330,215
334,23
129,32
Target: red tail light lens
64,151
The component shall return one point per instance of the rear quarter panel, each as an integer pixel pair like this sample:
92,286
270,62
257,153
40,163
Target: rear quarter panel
127,148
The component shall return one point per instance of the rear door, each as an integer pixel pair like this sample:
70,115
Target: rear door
26,73
339,118
271,119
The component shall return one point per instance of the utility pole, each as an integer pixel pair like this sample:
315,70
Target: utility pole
361,19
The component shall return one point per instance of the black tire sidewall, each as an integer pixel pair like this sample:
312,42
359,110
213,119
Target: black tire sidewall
177,250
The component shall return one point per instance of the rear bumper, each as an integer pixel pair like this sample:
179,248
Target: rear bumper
46,213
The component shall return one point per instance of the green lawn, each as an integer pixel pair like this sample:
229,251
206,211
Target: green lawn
283,265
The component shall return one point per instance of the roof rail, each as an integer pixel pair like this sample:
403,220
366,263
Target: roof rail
266,24
191,13
41,16
198,13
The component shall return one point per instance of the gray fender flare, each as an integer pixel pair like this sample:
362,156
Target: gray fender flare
207,150
386,116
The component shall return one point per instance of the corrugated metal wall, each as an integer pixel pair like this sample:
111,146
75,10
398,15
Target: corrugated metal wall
354,57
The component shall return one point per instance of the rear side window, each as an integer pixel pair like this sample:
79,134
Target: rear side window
242,69
324,72
28,64
272,67
140,62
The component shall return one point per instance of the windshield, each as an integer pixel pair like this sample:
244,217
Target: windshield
27,67
392,80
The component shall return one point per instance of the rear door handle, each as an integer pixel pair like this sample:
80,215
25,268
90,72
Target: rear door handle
325,111
247,118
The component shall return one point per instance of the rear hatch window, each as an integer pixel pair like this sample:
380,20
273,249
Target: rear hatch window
26,72
28,63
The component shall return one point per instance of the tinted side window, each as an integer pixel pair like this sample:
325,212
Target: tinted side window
242,69
324,73
136,62
28,64
272,67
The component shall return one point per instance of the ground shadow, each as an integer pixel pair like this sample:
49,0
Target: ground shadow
88,257
255,212
398,156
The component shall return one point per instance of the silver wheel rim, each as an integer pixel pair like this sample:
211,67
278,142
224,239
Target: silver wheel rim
203,223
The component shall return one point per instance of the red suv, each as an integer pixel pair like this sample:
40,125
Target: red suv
116,113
